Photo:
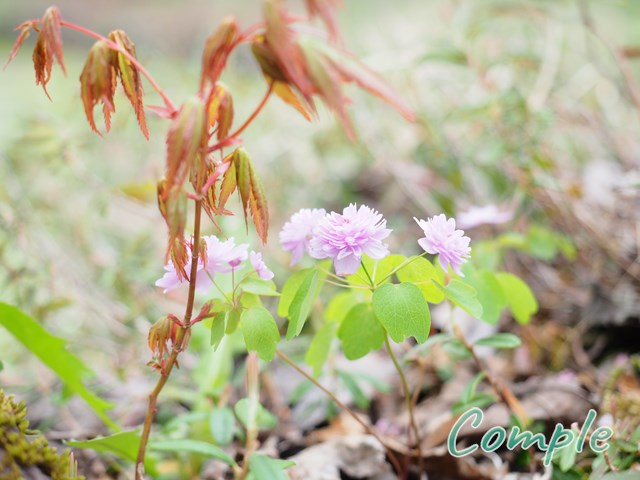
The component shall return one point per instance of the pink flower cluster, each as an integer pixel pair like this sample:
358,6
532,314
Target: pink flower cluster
221,257
346,237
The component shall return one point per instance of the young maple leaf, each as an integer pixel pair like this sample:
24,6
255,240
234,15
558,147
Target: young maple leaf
129,76
98,83
48,46
216,51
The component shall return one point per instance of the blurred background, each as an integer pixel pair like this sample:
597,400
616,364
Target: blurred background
530,105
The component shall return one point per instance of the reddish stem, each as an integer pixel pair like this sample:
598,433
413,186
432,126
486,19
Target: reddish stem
255,113
132,59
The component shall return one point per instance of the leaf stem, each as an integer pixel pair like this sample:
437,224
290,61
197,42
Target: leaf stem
178,346
408,400
131,58
400,267
255,113
392,456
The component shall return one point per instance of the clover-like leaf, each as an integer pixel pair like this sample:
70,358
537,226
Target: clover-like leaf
360,332
402,311
260,332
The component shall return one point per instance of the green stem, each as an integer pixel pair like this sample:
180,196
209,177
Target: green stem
407,398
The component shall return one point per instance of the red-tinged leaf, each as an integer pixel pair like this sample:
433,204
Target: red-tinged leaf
242,162
129,76
25,31
98,83
326,10
267,60
42,63
185,139
258,207
229,183
210,201
328,83
281,40
352,70
52,33
217,49
251,193
220,108
179,253
287,95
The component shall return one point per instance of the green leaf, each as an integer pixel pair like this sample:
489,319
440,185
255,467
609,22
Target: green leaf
51,350
320,346
340,305
423,275
403,311
519,297
359,397
123,445
233,318
499,340
263,467
192,446
456,349
360,332
489,292
289,290
217,329
265,420
260,332
470,390
302,304
464,296
378,269
222,424
480,400
261,287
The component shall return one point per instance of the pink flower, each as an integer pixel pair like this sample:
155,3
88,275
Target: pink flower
487,215
222,257
259,266
345,238
441,238
296,234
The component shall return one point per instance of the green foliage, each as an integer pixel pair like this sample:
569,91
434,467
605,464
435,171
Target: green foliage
192,446
464,296
425,276
260,332
499,340
222,424
360,332
320,347
262,467
51,350
402,311
265,420
520,300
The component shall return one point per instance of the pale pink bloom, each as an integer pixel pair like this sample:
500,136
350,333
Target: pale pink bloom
170,280
259,266
441,238
222,257
296,234
346,237
487,215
